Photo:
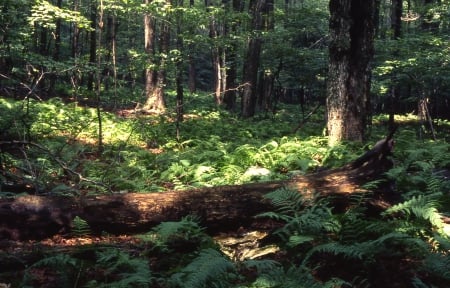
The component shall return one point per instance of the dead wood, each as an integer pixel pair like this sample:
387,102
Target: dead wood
219,208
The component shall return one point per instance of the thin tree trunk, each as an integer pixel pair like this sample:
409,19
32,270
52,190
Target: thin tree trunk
179,72
92,44
56,51
396,28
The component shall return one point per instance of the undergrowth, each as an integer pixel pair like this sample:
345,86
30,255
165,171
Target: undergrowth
56,152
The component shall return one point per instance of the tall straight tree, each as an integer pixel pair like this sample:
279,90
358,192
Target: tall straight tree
396,29
229,97
154,72
216,32
350,52
251,62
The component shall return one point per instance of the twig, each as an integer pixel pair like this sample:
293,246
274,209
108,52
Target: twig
306,118
57,160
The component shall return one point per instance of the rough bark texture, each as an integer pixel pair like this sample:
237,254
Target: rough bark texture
251,62
351,49
155,74
219,208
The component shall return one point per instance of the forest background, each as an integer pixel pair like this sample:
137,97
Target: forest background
101,97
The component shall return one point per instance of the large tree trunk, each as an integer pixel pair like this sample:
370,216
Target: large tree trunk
351,50
220,208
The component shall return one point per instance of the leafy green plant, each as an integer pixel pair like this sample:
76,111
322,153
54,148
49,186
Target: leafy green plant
304,223
209,269
186,234
63,266
80,227
120,269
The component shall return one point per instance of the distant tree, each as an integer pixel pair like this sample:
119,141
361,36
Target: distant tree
251,59
92,44
350,52
396,30
155,74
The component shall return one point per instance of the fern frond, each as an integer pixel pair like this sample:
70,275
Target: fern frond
423,207
57,261
369,249
293,277
133,271
187,225
286,201
261,265
80,227
63,265
438,265
209,269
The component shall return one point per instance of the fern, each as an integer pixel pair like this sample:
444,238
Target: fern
132,271
80,227
185,230
287,201
293,277
423,207
209,269
438,265
63,265
261,266
368,250
303,224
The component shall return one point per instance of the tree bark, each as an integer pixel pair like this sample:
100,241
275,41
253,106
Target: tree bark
155,73
351,50
219,208
252,59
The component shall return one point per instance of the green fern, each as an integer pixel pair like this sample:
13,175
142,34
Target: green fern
303,224
209,269
287,202
438,265
80,227
422,207
369,250
261,265
64,266
293,277
132,271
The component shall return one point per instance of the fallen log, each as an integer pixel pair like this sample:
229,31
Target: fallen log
219,208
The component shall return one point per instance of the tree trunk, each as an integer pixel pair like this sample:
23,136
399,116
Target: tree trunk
155,72
351,50
251,62
220,208
229,97
92,45
396,29
216,32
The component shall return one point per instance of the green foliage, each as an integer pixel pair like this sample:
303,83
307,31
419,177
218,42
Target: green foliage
121,270
209,269
80,227
303,223
170,235
46,15
293,277
63,266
